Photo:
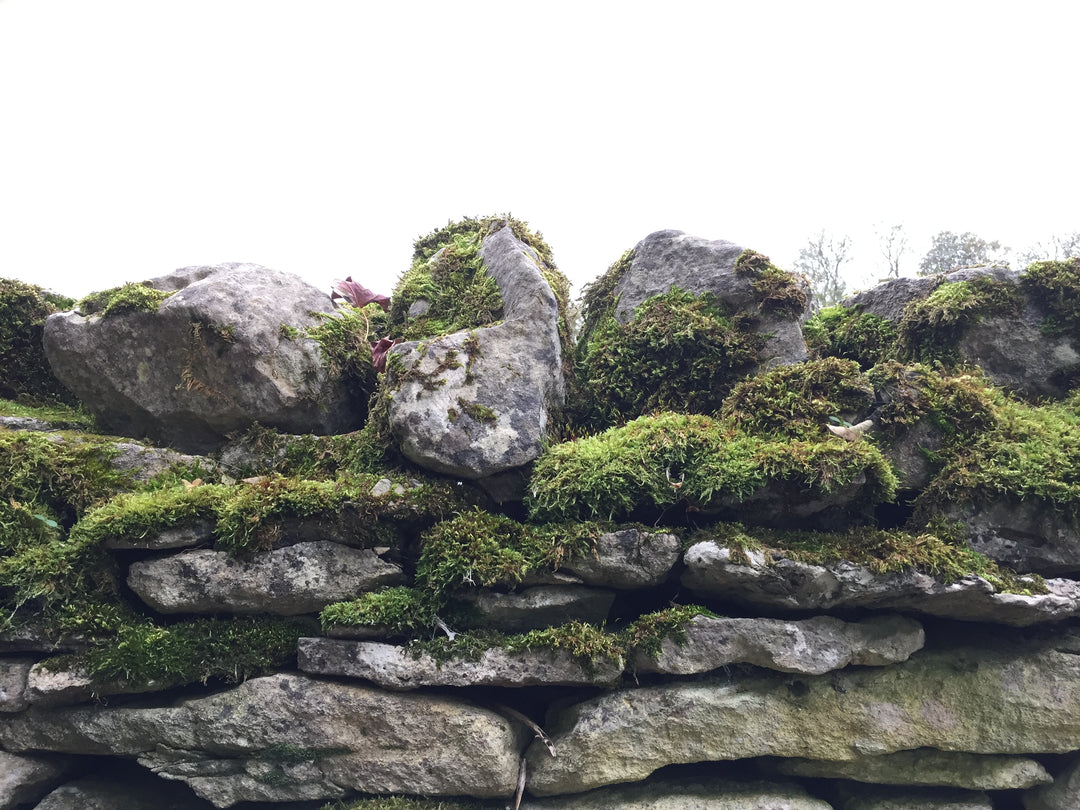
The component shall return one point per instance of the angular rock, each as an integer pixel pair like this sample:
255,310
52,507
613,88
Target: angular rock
993,692
683,795
538,607
1026,535
129,793
882,798
1063,794
627,559
25,779
195,534
13,675
477,403
393,667
667,259
289,737
927,767
212,360
303,578
61,687
810,646
791,585
145,462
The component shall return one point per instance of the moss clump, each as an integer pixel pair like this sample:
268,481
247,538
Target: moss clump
680,351
1055,286
130,297
399,609
24,369
662,460
932,326
937,551
140,515
345,337
598,298
648,632
798,401
777,291
61,415
847,333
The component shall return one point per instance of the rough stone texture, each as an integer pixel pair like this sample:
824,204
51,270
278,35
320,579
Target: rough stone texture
686,795
512,370
194,534
131,793
145,462
538,607
628,559
61,687
879,798
990,692
302,578
1027,536
156,374
251,743
667,259
926,766
791,585
889,299
13,675
25,779
1063,794
810,646
908,454
393,667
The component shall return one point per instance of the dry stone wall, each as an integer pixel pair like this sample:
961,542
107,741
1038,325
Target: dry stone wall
845,579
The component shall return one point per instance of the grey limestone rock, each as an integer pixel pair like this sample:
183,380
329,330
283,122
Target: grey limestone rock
195,533
301,578
26,778
1026,535
997,692
393,667
210,361
478,403
1063,794
928,767
712,571
808,646
686,795
290,737
13,675
667,259
46,686
538,607
627,559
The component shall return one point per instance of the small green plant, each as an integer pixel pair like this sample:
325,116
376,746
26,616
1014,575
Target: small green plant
847,333
128,298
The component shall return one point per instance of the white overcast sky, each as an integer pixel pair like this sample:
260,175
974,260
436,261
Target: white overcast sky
322,136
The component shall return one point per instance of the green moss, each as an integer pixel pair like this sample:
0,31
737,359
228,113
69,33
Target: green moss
647,633
777,291
130,297
24,369
845,332
141,515
345,337
932,326
399,609
598,298
478,412
69,417
680,351
661,460
798,401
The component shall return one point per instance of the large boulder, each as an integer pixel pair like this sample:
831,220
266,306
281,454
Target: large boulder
480,402
211,359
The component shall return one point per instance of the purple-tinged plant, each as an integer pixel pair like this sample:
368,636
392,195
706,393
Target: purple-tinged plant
379,351
358,295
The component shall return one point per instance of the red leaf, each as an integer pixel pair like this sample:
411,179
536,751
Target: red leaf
379,351
358,295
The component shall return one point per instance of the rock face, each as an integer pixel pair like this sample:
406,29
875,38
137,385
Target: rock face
693,795
969,698
302,578
538,607
628,559
668,259
1027,536
478,403
210,361
24,779
291,738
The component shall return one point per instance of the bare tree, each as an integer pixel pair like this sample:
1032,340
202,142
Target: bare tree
893,244
1060,247
951,251
821,262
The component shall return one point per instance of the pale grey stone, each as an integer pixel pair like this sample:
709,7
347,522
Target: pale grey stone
1063,794
289,737
809,646
990,692
384,486
158,374
712,571
302,578
144,462
26,778
46,686
1030,535
13,675
627,559
393,667
927,767
512,370
539,607
686,795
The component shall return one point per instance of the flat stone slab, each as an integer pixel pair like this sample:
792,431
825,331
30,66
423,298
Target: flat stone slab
628,559
303,578
61,687
393,667
808,646
928,767
991,692
538,607
713,571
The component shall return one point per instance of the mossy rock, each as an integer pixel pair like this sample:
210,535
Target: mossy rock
847,333
24,370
